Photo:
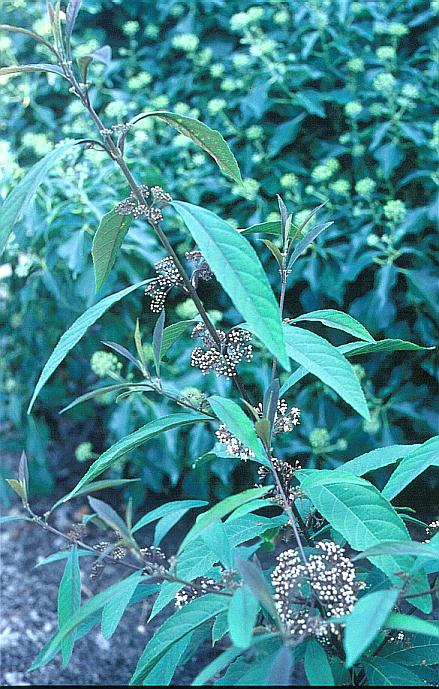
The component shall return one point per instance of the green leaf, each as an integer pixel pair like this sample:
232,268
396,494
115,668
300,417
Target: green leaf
76,331
272,227
87,396
62,555
412,466
410,623
113,610
23,193
220,510
210,140
323,360
157,338
381,457
89,608
216,539
216,666
368,616
317,668
338,320
380,347
95,486
39,67
69,601
423,650
107,241
163,671
182,622
220,627
253,576
357,510
237,267
171,334
284,135
304,243
30,34
110,517
243,610
239,425
14,518
383,673
180,506
133,440
279,674
400,548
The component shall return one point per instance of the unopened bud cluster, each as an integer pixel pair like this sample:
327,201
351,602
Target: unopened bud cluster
155,560
284,419
169,276
234,446
221,357
133,206
199,587
331,577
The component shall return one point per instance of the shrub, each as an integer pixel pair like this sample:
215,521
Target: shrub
314,565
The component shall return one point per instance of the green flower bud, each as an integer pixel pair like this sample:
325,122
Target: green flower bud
186,42
102,363
355,64
365,187
319,438
84,452
395,211
353,109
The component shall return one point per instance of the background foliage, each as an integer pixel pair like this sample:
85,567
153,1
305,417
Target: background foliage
319,100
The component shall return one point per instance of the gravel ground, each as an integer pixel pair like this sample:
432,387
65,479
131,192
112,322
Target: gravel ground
29,619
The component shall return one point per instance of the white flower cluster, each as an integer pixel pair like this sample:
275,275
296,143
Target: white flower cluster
199,587
329,574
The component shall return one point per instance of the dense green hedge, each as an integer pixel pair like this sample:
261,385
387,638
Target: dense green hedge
319,101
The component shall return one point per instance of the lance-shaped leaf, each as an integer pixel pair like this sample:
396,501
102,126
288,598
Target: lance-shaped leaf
338,320
410,623
69,600
31,34
252,574
423,650
107,241
113,610
220,510
96,486
237,267
182,622
170,508
133,440
353,349
72,12
356,509
324,360
22,194
157,339
412,466
76,331
171,334
110,517
376,459
208,139
272,227
279,674
381,347
306,241
424,550
365,621
84,613
243,610
39,67
317,668
238,424
381,672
